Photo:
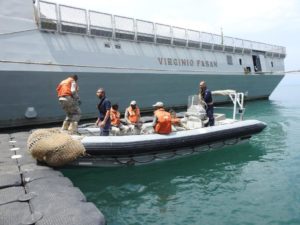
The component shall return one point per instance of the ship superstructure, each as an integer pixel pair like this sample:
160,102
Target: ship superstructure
42,43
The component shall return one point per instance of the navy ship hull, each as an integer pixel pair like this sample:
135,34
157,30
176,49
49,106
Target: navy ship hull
42,43
23,89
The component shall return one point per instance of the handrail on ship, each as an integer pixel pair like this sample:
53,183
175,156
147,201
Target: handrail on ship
56,17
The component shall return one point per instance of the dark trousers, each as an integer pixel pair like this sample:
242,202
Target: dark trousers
105,130
210,115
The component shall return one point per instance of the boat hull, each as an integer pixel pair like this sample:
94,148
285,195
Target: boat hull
24,89
143,149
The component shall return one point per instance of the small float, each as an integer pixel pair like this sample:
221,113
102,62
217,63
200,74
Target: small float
192,138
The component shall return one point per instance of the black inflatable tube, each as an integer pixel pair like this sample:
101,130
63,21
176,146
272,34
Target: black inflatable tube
165,145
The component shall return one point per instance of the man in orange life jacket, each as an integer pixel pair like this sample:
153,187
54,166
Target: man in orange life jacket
132,114
162,123
67,92
115,117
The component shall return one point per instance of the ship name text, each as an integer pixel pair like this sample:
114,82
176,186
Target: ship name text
186,62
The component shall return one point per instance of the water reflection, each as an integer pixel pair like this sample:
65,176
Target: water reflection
165,186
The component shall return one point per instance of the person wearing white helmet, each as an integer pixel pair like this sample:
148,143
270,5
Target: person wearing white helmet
132,113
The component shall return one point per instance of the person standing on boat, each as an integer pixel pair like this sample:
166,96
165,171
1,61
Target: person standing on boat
207,97
67,92
132,114
162,121
104,113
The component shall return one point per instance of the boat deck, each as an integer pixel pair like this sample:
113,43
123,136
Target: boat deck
37,194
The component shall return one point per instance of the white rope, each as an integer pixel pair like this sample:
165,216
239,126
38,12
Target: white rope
223,92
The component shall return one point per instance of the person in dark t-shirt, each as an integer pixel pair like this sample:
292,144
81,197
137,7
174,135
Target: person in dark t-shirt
103,106
207,97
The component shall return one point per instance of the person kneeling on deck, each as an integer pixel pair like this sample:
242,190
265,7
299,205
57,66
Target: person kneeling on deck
162,120
207,97
104,113
132,117
67,92
116,124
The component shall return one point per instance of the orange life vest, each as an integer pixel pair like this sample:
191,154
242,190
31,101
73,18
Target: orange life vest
133,114
64,88
115,117
163,124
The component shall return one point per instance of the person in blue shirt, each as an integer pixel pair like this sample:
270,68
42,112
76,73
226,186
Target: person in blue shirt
207,97
104,107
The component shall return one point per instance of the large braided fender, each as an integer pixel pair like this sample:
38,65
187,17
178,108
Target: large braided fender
54,147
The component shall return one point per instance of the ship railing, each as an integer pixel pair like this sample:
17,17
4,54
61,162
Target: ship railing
206,40
179,36
163,34
145,31
67,19
48,16
73,20
229,44
100,24
193,39
124,28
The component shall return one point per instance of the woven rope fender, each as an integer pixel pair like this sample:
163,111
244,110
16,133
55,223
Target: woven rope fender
54,147
39,134
65,153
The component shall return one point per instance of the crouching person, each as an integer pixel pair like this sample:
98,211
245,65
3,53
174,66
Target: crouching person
116,126
162,120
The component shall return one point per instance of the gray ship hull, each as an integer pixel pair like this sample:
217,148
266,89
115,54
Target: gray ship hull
23,89
42,43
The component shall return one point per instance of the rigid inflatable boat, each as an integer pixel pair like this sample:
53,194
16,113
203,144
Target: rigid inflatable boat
149,147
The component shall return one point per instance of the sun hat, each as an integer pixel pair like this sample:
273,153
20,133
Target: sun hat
133,102
158,104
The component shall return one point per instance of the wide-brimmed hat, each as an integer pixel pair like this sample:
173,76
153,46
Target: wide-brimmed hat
158,104
133,102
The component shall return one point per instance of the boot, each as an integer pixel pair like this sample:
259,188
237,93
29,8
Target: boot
65,125
73,127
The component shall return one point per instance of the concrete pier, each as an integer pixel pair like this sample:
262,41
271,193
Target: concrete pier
36,194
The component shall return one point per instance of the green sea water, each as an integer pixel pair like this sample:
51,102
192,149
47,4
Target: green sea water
253,183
